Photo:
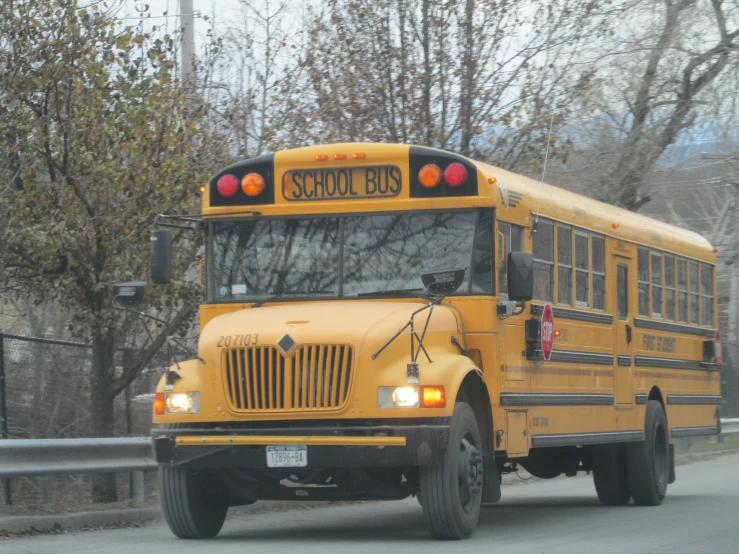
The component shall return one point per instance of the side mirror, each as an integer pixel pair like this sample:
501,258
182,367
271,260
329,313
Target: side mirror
443,281
129,295
520,276
161,256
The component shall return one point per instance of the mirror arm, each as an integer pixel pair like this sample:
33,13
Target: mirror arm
170,338
414,357
185,348
388,343
434,302
141,314
196,223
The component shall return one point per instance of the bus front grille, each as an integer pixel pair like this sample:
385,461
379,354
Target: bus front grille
261,378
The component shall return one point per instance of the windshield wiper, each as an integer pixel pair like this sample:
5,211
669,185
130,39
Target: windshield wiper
286,292
395,292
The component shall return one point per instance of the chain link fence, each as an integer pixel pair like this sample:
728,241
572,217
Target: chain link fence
45,394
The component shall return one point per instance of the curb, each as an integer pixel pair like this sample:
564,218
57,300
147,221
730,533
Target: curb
56,522
53,523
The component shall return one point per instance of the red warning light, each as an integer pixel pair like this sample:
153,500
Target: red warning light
455,174
228,185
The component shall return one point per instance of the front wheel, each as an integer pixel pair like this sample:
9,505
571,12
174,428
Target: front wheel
194,504
648,461
452,489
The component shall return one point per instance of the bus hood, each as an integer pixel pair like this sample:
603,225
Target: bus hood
364,325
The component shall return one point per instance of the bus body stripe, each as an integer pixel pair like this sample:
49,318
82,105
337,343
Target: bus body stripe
555,399
577,439
672,327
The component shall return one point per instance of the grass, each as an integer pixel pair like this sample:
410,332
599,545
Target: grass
731,442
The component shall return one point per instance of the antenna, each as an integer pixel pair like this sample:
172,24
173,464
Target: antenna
546,153
535,225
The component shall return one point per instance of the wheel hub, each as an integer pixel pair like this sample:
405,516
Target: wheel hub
470,470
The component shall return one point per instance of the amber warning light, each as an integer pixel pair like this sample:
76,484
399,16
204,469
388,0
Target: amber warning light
429,176
252,184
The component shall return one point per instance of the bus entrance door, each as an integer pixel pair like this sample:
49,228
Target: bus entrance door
623,329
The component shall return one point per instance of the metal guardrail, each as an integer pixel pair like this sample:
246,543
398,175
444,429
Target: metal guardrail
31,457
34,457
729,426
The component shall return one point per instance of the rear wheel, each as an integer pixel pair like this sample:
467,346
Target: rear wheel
648,462
609,475
452,489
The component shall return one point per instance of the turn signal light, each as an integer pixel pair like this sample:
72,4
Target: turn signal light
321,157
433,397
429,176
252,184
358,155
339,156
455,175
228,185
159,403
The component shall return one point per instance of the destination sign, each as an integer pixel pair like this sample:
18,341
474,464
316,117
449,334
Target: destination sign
341,183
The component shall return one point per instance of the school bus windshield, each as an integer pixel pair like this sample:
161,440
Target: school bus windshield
346,256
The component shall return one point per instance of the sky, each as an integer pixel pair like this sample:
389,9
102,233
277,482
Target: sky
222,9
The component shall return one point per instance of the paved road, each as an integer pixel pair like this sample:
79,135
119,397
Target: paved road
699,516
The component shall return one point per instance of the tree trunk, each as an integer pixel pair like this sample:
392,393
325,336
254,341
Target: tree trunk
101,408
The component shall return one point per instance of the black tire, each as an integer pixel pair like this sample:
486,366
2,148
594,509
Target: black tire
609,475
648,461
452,489
194,503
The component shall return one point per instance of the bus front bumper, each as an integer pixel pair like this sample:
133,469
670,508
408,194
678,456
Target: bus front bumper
356,447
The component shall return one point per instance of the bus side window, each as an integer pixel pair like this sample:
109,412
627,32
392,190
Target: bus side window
543,250
513,242
564,264
643,279
682,290
707,294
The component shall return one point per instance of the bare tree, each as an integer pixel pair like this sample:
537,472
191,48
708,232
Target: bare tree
480,77
656,78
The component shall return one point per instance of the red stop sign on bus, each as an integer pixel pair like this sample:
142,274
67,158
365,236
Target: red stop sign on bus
547,332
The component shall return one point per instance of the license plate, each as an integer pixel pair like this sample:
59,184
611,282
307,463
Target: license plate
341,183
287,456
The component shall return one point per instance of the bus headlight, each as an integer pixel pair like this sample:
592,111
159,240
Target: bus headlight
182,402
398,397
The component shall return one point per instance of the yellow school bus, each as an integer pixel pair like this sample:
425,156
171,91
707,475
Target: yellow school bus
383,321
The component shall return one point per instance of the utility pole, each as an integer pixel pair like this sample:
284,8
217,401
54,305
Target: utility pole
732,160
187,49
734,290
